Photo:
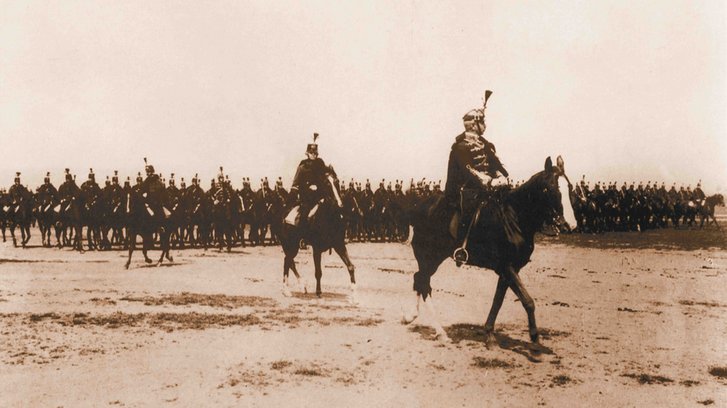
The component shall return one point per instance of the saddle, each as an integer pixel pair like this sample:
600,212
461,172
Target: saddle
488,211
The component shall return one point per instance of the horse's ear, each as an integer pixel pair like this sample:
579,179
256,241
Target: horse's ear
548,165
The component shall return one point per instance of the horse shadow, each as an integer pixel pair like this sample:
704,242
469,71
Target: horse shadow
323,296
164,265
476,333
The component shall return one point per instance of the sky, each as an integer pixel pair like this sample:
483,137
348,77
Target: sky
623,90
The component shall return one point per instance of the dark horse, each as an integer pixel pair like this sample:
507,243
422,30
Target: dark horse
502,240
144,222
706,210
326,230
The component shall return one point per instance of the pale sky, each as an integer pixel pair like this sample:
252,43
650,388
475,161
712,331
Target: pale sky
623,90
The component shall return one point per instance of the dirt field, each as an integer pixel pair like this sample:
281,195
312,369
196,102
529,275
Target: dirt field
627,320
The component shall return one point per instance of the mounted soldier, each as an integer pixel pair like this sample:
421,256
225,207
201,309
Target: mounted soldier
698,195
308,182
473,172
153,193
90,188
18,191
172,190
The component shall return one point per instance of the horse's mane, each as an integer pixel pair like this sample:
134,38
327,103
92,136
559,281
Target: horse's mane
533,183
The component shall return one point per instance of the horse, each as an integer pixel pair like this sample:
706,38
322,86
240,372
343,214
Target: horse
69,217
142,221
352,215
706,210
501,239
21,215
225,215
326,230
45,202
94,216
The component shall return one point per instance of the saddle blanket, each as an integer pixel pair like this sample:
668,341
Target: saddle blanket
293,217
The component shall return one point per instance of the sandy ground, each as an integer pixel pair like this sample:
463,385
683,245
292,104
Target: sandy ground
627,320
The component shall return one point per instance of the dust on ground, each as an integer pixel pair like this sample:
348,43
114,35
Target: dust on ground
627,319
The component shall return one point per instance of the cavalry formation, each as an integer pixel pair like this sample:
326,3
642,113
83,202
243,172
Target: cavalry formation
610,208
223,216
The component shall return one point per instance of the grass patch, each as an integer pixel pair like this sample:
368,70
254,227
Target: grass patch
309,372
186,298
719,372
561,380
482,362
280,364
644,379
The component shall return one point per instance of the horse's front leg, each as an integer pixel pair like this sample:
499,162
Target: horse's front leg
343,253
131,245
319,271
490,340
517,287
147,242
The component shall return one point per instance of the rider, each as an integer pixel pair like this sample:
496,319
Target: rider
68,191
90,189
18,192
48,187
698,195
153,192
308,182
472,169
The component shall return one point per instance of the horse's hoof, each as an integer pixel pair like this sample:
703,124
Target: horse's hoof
442,338
490,341
148,261
408,318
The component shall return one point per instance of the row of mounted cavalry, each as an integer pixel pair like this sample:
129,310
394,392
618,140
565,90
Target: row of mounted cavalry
225,217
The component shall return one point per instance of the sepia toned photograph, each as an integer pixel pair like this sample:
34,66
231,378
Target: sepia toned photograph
363,203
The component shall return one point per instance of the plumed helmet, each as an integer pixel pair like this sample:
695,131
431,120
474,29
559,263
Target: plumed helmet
47,177
139,179
313,147
68,175
148,167
17,177
91,176
171,180
477,115
221,176
182,184
115,178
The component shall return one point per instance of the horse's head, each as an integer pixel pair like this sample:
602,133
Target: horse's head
719,199
554,194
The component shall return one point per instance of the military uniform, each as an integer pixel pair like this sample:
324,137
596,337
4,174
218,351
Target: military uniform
309,180
90,189
154,193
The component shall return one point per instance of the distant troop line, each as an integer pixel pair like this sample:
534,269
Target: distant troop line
224,216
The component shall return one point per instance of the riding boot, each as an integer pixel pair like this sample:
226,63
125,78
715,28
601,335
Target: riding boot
460,254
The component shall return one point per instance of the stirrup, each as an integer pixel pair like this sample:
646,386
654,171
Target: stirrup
460,256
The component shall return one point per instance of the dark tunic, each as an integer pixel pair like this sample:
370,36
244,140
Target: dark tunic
470,149
310,172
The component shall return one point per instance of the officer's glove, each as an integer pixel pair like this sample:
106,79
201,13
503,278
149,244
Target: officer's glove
313,187
499,182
